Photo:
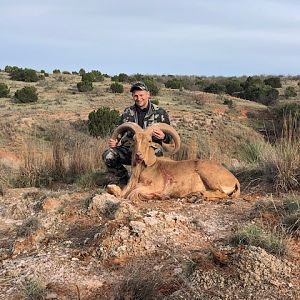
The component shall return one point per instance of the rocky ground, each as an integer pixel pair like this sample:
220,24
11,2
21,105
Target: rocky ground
77,245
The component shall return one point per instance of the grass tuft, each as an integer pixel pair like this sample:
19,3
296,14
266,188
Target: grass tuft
256,236
33,289
28,227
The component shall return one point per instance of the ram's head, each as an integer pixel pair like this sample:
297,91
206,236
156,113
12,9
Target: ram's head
144,147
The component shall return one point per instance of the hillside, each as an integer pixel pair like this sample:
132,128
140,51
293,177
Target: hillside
69,239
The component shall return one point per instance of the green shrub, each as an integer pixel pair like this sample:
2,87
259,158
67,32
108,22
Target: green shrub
85,86
93,76
153,88
4,91
27,94
66,72
56,71
103,121
228,102
27,75
290,92
116,87
174,84
10,69
81,71
123,77
255,236
256,90
274,82
233,88
285,110
216,88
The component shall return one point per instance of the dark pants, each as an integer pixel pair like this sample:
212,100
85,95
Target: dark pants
115,158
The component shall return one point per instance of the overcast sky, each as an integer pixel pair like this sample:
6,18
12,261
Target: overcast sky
180,37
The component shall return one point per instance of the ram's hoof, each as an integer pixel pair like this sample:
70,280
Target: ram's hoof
113,190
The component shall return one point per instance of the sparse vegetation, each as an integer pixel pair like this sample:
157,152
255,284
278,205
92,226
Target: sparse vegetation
28,227
33,289
138,283
59,169
256,236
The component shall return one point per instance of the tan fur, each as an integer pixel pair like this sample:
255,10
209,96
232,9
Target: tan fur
162,178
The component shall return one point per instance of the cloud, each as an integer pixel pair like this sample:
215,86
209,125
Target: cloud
189,36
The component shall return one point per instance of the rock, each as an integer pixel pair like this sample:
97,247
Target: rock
137,227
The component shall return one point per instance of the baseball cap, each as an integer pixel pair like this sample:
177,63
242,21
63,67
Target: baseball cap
141,86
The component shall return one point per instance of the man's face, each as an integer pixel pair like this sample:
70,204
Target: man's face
141,98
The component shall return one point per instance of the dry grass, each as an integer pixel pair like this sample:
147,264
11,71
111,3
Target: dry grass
33,289
284,164
65,158
139,282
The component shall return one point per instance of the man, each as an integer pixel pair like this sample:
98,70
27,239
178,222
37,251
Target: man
144,113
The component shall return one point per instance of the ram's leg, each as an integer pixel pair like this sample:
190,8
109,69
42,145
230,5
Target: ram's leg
214,195
143,193
113,189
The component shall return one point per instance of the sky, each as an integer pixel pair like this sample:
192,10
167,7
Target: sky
186,37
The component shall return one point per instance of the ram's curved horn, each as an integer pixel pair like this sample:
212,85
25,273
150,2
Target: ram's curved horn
125,127
166,128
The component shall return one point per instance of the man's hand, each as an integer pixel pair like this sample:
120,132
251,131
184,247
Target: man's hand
112,143
158,133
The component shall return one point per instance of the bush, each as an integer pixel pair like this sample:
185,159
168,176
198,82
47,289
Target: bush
56,71
4,91
274,82
215,88
103,121
256,90
153,88
85,86
27,94
233,88
10,69
93,76
123,77
27,75
174,84
229,103
290,92
81,71
117,87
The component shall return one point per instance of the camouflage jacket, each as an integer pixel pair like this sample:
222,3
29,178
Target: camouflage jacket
154,114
